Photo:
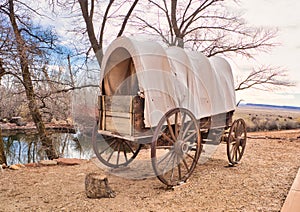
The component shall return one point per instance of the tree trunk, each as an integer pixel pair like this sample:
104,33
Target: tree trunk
88,19
96,186
2,152
27,82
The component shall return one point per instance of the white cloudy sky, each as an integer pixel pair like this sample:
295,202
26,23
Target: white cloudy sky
285,16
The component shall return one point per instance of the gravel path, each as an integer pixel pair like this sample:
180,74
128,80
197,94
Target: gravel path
259,183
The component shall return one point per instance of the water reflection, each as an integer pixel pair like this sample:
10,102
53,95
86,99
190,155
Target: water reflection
22,148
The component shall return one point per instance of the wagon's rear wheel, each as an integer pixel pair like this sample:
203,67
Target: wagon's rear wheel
236,141
176,146
114,152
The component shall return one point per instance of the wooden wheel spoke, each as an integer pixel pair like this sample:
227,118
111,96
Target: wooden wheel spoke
171,130
186,165
239,151
109,146
240,129
172,155
165,147
165,136
235,154
190,156
231,138
176,124
182,125
124,151
109,157
173,165
187,129
233,142
118,155
130,148
232,151
236,133
179,169
125,155
164,157
243,142
190,136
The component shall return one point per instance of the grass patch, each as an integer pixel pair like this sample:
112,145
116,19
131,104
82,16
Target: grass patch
268,120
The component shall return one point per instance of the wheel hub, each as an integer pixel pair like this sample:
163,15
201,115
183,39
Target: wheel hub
181,147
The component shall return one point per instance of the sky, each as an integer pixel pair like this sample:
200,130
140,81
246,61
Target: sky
285,17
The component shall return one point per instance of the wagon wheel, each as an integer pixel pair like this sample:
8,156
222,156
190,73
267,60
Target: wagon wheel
113,152
176,147
236,141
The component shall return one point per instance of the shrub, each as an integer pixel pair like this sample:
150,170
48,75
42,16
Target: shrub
271,125
291,125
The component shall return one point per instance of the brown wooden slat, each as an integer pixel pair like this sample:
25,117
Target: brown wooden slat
118,103
118,125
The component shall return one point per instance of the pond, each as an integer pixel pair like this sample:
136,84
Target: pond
24,148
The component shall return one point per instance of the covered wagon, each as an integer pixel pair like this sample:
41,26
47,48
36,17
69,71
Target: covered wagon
166,98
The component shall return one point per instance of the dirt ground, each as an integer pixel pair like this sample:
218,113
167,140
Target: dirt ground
259,183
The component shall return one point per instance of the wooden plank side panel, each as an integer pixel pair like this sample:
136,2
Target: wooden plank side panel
121,114
118,103
118,125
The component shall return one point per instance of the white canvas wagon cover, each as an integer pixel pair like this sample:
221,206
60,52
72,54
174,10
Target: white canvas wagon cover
167,78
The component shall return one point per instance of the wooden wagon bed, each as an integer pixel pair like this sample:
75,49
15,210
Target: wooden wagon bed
123,117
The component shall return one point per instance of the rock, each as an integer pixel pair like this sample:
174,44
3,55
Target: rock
20,165
14,167
48,162
96,186
68,161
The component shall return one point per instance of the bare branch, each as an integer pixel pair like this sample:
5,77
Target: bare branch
126,18
165,10
156,30
104,22
263,77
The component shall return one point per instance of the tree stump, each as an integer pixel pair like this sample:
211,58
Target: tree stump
96,186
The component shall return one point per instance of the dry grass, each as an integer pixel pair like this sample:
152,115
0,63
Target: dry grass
262,119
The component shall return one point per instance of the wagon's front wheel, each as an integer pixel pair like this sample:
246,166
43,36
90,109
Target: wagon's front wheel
175,147
114,152
236,141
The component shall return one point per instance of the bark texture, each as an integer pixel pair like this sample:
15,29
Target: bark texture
22,50
96,186
2,152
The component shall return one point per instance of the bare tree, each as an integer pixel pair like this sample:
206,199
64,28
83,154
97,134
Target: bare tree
209,27
25,42
206,26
